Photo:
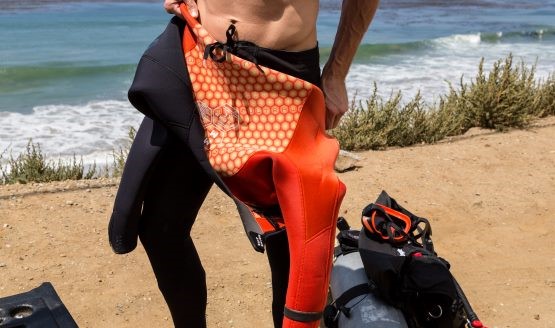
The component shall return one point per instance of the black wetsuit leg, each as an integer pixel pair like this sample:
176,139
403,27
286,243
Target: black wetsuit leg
161,173
277,249
163,185
175,192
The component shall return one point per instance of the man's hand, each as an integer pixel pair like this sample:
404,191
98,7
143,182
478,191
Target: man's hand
356,16
172,7
337,102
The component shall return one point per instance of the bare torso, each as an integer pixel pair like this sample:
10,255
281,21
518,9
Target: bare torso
276,24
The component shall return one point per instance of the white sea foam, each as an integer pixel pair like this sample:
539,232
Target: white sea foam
457,40
450,59
92,130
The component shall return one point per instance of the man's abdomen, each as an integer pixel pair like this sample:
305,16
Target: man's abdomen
281,25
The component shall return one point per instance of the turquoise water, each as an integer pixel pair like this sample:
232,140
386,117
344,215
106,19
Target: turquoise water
72,53
65,66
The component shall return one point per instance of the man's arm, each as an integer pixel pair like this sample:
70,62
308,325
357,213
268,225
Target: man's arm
356,16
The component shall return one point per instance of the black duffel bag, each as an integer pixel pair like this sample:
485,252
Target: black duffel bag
399,258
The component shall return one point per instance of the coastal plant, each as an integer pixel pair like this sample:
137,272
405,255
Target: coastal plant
378,124
120,156
358,123
546,98
442,122
503,98
32,166
508,96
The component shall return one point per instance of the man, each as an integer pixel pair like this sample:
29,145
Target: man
171,165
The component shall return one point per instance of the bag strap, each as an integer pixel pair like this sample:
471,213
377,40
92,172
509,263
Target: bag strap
358,290
333,310
347,238
471,315
423,233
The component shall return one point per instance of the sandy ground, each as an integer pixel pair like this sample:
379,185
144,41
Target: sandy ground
490,198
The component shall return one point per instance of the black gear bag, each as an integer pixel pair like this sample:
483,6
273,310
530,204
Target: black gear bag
399,259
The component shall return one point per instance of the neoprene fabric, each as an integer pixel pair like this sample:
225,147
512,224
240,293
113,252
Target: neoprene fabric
261,150
265,135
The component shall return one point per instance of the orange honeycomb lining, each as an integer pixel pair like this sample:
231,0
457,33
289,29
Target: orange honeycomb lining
243,110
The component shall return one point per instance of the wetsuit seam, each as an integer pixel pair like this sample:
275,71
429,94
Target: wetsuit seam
179,125
174,72
305,228
177,75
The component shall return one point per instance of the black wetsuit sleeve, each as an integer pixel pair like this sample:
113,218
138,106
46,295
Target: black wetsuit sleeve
123,227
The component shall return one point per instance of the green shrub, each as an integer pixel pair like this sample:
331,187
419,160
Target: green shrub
120,156
506,97
546,98
31,166
376,124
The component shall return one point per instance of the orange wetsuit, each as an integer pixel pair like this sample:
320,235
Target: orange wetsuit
265,137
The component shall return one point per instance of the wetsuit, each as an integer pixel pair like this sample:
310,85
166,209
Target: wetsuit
168,175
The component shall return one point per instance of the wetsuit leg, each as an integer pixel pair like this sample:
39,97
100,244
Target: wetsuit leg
277,249
178,183
175,193
304,65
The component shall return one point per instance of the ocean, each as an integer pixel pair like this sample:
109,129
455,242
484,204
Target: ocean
65,66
